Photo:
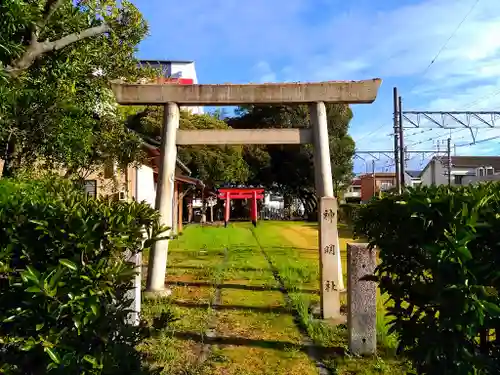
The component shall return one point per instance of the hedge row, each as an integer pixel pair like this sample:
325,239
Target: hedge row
440,266
348,212
63,279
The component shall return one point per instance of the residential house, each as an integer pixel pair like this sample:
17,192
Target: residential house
412,178
464,170
353,192
374,183
175,71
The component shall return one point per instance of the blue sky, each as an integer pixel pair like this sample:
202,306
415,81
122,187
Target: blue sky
242,41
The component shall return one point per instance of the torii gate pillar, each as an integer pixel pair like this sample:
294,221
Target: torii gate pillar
157,265
329,254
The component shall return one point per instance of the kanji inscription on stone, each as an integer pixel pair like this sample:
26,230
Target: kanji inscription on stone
329,214
329,249
329,258
330,286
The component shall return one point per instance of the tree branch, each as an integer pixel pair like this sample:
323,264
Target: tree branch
75,37
37,49
50,8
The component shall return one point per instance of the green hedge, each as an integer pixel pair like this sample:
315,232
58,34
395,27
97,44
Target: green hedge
440,266
348,212
63,279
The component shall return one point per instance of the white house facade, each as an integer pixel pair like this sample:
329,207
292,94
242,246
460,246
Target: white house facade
182,71
464,170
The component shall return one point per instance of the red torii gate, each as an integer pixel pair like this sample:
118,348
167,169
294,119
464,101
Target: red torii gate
241,193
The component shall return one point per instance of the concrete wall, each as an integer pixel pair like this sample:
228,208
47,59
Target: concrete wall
434,174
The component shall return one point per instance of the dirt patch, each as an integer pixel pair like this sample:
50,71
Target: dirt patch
302,238
175,278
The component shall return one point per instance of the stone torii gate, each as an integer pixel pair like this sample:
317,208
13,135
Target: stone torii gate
313,94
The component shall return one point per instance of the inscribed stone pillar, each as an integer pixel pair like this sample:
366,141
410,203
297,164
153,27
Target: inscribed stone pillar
330,292
135,293
361,299
324,188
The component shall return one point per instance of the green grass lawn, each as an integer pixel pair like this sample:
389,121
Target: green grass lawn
255,329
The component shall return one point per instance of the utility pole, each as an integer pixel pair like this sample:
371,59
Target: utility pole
401,144
449,161
396,140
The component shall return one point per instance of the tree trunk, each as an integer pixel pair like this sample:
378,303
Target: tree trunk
9,166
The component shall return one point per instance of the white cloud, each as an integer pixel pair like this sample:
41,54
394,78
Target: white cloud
352,40
264,72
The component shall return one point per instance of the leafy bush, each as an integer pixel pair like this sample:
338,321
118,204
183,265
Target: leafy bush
64,279
440,265
348,212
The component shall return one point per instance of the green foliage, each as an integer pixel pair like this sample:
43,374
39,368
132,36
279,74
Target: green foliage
348,212
440,266
56,106
64,279
212,164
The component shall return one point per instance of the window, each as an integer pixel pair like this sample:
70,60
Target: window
109,170
90,187
458,179
485,171
386,184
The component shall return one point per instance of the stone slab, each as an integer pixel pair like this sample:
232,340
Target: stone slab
348,92
361,300
135,293
329,257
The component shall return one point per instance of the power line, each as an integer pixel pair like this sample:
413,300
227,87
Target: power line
447,41
495,93
440,136
479,141
373,132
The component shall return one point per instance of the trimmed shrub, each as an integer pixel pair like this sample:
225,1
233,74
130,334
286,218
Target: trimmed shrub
440,266
348,212
63,279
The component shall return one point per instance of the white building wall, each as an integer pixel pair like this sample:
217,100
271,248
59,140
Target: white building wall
434,173
186,70
440,172
145,189
272,204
